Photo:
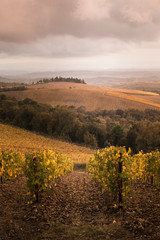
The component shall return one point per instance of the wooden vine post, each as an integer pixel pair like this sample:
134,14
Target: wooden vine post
152,179
120,182
1,170
35,165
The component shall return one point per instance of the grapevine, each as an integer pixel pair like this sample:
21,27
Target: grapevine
10,164
42,168
115,169
104,168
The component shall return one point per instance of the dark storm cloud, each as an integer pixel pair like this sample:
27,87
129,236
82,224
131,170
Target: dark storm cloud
24,21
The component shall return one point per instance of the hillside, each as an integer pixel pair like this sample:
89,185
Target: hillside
75,207
89,96
22,140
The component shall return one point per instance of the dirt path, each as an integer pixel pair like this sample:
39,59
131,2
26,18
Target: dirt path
73,209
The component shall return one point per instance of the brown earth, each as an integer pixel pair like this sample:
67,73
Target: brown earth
75,208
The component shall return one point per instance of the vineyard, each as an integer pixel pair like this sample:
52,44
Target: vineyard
41,168
16,138
116,170
40,187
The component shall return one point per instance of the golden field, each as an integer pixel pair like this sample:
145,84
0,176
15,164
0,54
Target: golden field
24,141
89,96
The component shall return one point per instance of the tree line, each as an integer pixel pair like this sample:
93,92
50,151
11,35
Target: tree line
18,88
11,84
139,130
61,79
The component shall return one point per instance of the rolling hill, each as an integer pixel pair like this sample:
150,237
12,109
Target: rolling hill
22,140
90,96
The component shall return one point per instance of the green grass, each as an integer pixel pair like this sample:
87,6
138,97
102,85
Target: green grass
79,167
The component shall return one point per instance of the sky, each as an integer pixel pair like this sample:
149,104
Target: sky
51,35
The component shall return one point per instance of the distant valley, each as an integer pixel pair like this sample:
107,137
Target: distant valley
130,79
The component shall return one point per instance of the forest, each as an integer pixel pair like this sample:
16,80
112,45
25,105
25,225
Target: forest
139,130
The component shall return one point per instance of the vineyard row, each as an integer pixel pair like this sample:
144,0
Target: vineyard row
41,168
115,169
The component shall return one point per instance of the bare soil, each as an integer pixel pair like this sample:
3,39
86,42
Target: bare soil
75,208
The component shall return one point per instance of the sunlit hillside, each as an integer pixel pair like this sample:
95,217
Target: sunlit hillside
22,140
91,97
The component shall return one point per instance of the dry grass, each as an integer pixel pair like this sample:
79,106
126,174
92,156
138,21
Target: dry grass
22,140
152,98
133,92
91,97
135,98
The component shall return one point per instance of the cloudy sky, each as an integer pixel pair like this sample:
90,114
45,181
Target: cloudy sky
79,34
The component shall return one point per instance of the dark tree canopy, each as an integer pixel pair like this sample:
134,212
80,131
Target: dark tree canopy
139,130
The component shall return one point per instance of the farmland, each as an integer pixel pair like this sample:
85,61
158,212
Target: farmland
22,140
91,97
75,206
